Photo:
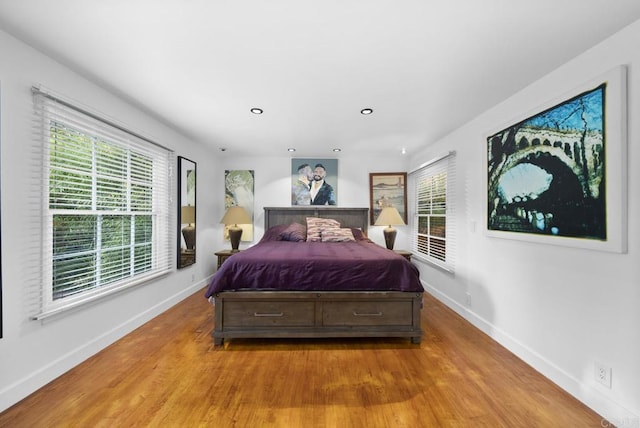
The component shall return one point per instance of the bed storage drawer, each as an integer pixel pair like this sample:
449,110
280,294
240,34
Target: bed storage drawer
378,313
289,314
268,313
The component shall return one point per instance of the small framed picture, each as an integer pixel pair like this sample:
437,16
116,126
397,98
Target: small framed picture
387,189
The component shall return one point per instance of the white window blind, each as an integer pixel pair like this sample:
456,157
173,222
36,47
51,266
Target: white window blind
105,214
433,222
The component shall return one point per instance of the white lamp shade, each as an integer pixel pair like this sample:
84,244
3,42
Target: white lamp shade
188,214
236,215
389,216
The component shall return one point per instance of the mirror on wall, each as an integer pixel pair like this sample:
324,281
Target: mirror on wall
186,212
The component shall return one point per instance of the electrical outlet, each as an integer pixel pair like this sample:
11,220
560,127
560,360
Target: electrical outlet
468,301
602,374
193,277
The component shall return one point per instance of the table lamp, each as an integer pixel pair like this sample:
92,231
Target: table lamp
391,217
235,215
188,216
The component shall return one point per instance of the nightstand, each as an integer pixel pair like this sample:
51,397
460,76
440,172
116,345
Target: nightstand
404,253
187,257
224,255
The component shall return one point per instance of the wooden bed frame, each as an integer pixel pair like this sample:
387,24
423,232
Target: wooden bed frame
304,314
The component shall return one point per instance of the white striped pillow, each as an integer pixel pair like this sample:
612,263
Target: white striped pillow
337,235
316,225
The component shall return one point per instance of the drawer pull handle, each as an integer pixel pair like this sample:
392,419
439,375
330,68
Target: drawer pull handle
258,314
375,314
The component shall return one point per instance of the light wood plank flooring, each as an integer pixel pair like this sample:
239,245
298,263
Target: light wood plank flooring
168,374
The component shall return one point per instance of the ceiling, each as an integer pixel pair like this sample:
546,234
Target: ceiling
425,67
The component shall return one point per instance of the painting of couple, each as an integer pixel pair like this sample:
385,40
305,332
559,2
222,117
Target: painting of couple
314,181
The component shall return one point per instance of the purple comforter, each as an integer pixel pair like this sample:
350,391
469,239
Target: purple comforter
316,266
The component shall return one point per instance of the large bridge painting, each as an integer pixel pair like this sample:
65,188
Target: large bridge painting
546,174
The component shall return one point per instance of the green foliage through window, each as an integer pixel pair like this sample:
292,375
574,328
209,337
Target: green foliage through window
100,200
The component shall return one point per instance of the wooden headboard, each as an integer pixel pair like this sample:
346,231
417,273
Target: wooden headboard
348,217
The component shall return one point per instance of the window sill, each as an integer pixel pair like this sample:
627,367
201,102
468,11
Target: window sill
85,300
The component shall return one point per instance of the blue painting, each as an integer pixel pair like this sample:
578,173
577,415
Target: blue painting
546,174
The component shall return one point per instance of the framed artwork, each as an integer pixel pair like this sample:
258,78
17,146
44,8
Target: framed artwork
186,212
314,181
239,191
559,176
387,189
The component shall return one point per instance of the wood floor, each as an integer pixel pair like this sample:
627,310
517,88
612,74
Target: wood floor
168,374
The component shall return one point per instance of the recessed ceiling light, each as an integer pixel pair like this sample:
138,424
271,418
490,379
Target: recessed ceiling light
256,110
337,150
366,111
291,149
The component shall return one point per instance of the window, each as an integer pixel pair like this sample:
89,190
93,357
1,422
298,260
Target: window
432,186
106,207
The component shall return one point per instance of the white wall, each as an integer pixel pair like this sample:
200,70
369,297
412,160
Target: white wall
560,309
33,353
273,187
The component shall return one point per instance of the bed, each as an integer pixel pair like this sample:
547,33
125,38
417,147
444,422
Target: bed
286,288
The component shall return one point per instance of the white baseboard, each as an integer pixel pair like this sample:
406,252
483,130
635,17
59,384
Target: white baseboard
615,414
11,394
